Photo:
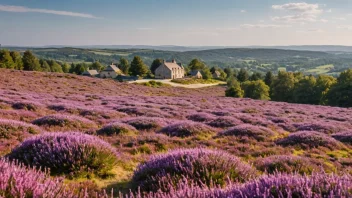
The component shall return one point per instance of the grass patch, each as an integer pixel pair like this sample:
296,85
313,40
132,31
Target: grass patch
154,84
189,81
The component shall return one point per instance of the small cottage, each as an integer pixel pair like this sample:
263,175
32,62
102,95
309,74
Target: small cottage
196,74
110,72
170,70
216,74
91,73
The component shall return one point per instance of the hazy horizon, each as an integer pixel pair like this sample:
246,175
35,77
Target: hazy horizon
227,23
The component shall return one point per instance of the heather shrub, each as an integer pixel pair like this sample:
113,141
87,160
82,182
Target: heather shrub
17,181
201,117
187,129
145,123
246,130
117,128
345,137
309,139
286,185
69,121
286,164
25,106
77,154
319,127
225,122
201,167
143,111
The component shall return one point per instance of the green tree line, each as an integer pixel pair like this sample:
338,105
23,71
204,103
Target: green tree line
292,87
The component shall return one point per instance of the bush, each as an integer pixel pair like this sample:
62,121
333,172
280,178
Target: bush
17,181
25,106
187,129
64,121
199,166
145,123
201,117
345,137
246,130
117,128
319,127
286,164
77,154
282,186
225,122
309,139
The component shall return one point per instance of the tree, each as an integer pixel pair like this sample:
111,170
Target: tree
305,91
65,68
55,67
229,72
269,78
235,90
242,75
206,73
196,64
6,60
72,68
282,87
97,66
124,65
30,62
213,69
80,68
156,63
138,68
256,90
17,59
322,87
340,94
256,76
45,67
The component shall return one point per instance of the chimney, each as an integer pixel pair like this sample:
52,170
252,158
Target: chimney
173,61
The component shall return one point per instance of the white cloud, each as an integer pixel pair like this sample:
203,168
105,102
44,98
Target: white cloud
145,28
22,9
301,12
346,27
243,11
311,31
329,11
263,26
339,18
324,20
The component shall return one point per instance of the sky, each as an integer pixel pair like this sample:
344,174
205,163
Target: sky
175,22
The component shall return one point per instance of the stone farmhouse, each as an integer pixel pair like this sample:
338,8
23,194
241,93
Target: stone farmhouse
216,74
110,72
170,70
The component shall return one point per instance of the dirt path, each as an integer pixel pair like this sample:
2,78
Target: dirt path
192,86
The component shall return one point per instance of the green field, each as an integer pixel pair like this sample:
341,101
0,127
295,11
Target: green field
323,69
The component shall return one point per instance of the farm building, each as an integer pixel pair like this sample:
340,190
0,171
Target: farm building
92,73
110,72
216,74
170,70
196,74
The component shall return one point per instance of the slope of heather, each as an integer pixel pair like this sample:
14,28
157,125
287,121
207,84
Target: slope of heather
143,123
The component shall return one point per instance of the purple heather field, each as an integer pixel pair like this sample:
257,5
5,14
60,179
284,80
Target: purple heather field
64,135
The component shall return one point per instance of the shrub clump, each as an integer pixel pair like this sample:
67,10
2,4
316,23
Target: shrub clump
286,164
17,181
286,185
64,121
145,123
201,117
345,137
309,139
77,154
198,166
246,130
319,127
225,122
117,128
25,106
187,129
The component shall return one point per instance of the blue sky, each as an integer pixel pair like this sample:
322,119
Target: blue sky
175,22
